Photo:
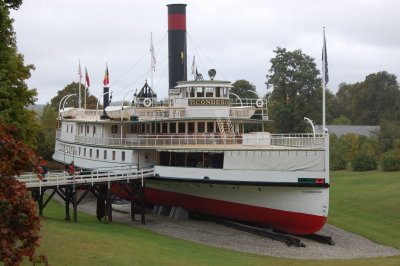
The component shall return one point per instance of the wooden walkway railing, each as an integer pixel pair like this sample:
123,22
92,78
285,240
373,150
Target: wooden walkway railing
53,179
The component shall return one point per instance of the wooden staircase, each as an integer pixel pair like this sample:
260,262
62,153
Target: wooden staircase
226,129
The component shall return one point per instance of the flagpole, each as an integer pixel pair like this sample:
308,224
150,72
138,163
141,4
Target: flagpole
325,80
80,77
152,59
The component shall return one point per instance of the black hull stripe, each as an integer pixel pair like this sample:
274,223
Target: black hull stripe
241,183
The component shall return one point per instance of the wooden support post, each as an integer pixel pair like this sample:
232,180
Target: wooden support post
67,200
108,206
142,205
132,200
40,202
74,195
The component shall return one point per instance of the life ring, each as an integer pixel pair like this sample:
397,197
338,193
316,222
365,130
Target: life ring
259,103
146,102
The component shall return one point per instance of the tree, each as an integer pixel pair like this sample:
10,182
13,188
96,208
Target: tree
19,222
293,76
341,120
389,132
14,93
377,99
73,88
46,135
344,100
244,89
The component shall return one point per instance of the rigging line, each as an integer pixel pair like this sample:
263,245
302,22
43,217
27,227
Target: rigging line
126,72
136,80
163,73
138,61
197,49
190,37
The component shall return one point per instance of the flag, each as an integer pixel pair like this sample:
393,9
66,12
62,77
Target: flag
79,71
153,55
87,78
194,65
106,79
325,63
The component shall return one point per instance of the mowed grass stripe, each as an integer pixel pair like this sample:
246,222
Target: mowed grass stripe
367,203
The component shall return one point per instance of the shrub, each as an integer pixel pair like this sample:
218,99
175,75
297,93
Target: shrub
337,156
364,159
390,160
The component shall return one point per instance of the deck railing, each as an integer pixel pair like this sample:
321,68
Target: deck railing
62,178
275,141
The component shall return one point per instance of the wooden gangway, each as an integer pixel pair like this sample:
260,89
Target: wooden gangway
98,182
104,175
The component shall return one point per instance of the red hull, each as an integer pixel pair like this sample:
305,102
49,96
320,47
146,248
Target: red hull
291,222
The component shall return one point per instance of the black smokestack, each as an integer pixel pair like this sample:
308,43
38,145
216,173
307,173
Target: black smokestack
177,43
106,102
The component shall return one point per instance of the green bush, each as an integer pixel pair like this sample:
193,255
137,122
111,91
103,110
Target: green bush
337,157
364,159
390,160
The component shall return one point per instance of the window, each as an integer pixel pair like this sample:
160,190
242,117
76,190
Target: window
105,155
191,92
200,127
79,151
191,127
94,130
114,129
210,126
113,155
209,92
181,127
164,128
200,92
67,128
123,156
90,153
134,128
172,128
87,129
97,154
72,129
218,92
82,129
225,92
84,152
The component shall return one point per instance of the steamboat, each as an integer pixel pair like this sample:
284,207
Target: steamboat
211,154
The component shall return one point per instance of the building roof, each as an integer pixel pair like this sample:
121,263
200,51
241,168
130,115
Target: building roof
340,130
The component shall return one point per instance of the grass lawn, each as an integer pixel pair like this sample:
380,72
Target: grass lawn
367,203
355,199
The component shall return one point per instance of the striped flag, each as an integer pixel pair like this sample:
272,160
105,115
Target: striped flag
106,79
87,78
325,63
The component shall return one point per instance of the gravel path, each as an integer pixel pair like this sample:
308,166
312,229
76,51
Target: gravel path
347,245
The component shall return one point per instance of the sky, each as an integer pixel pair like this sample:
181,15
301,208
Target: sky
235,37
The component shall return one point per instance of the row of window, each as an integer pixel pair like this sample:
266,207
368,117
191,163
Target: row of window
207,92
70,149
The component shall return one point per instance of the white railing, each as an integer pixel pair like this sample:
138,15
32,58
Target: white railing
62,178
301,141
159,113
